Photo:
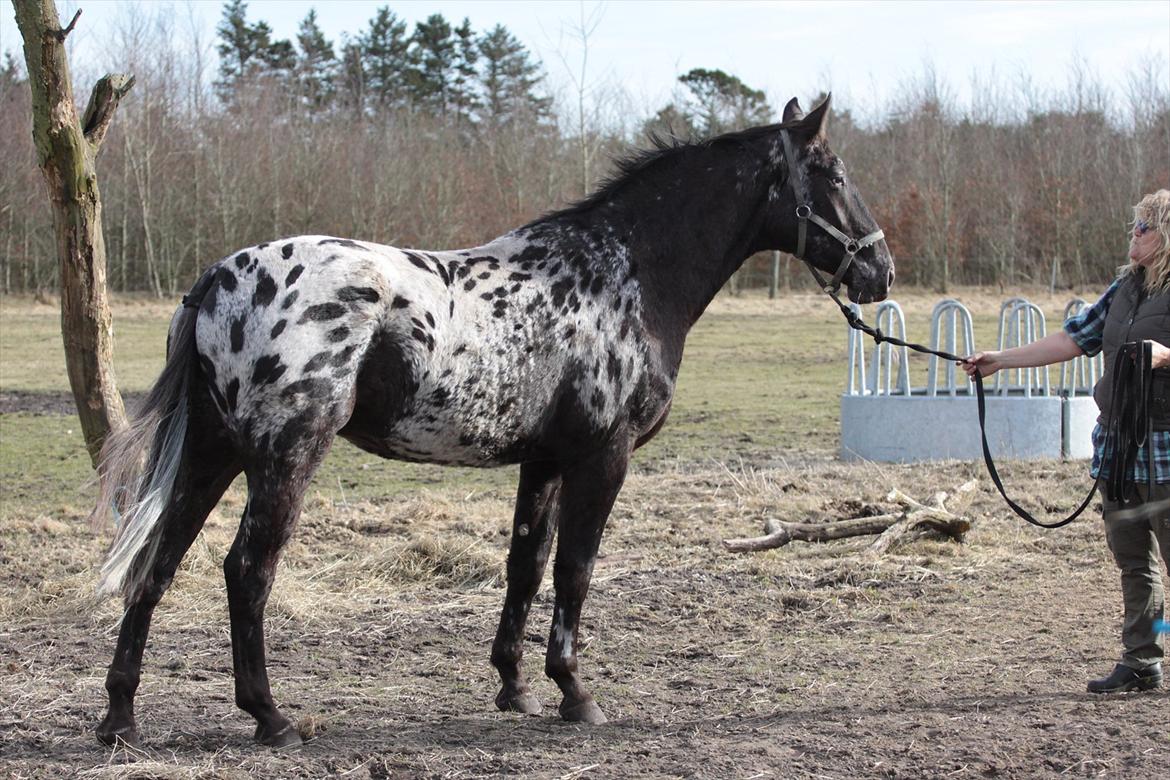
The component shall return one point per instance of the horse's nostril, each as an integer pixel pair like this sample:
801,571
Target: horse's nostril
890,281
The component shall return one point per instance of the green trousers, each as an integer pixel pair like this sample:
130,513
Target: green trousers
1136,534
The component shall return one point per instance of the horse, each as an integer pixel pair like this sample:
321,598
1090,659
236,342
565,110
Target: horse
555,346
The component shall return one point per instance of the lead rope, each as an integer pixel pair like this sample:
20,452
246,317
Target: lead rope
1139,367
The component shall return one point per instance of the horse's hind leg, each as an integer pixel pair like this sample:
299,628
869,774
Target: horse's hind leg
207,469
532,532
588,490
276,487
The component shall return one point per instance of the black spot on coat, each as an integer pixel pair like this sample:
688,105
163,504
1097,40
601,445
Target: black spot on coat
265,289
350,294
278,328
317,362
322,312
267,370
345,242
237,334
286,252
294,273
226,279
233,393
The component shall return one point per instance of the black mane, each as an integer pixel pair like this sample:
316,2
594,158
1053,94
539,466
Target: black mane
634,164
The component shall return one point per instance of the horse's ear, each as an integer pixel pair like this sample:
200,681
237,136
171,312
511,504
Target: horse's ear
813,125
793,111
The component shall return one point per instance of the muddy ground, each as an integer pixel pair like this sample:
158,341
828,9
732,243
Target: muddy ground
936,659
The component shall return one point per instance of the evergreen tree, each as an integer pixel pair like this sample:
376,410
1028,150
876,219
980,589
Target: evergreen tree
316,65
432,65
248,51
509,79
383,58
464,99
723,102
671,122
278,57
352,77
10,73
236,47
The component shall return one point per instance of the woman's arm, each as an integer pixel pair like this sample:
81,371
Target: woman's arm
1054,348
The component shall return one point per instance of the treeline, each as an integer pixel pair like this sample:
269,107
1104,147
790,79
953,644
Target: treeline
443,136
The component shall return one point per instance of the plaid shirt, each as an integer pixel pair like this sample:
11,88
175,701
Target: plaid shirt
1087,330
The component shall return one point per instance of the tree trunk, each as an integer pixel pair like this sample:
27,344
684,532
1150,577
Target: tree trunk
66,149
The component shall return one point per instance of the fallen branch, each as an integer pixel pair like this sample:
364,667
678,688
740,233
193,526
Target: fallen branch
914,518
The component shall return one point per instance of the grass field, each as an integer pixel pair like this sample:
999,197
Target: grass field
935,659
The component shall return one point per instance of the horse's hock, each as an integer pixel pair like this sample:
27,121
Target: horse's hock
885,418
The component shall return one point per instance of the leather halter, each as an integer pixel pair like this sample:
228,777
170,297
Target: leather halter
805,214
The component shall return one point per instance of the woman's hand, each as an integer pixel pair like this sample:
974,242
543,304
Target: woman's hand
1161,355
987,363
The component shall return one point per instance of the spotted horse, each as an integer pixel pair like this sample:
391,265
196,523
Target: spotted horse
555,346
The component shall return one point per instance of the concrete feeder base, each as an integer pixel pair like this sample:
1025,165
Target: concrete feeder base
919,427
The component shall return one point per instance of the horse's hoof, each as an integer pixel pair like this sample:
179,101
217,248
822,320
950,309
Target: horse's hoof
585,711
118,736
516,701
287,736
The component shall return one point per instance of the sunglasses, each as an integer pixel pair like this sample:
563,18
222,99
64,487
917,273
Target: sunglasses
1141,227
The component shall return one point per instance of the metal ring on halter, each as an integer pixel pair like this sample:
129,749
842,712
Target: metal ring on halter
807,211
852,247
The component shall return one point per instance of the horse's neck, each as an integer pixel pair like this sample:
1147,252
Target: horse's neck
686,259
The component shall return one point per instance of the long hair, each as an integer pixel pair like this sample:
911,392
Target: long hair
1154,210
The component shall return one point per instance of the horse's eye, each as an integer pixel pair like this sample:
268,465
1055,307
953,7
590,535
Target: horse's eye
837,180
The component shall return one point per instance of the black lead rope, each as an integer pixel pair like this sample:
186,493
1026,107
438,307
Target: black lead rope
1132,368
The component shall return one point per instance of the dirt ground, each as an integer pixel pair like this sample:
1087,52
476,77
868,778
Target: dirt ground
936,659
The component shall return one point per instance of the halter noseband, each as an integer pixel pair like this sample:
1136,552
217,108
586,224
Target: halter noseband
804,214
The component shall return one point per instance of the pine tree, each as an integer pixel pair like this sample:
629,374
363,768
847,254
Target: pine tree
432,65
352,77
464,99
316,65
723,101
384,62
248,51
509,79
11,73
236,47
279,57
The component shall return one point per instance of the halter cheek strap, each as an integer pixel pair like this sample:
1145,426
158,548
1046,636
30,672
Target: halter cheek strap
804,214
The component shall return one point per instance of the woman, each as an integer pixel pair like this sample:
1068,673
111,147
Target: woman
1136,307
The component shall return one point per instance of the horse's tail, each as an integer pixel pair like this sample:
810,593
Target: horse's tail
140,462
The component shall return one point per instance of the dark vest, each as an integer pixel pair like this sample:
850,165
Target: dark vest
1134,315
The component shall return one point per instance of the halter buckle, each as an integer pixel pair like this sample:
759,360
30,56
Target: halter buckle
852,247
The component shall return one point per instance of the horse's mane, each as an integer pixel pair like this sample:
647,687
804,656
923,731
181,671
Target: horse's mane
662,148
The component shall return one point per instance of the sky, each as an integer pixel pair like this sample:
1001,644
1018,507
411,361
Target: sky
862,51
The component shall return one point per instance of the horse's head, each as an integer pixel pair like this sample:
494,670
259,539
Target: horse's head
812,194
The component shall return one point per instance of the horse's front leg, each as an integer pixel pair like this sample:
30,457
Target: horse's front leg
588,490
532,532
